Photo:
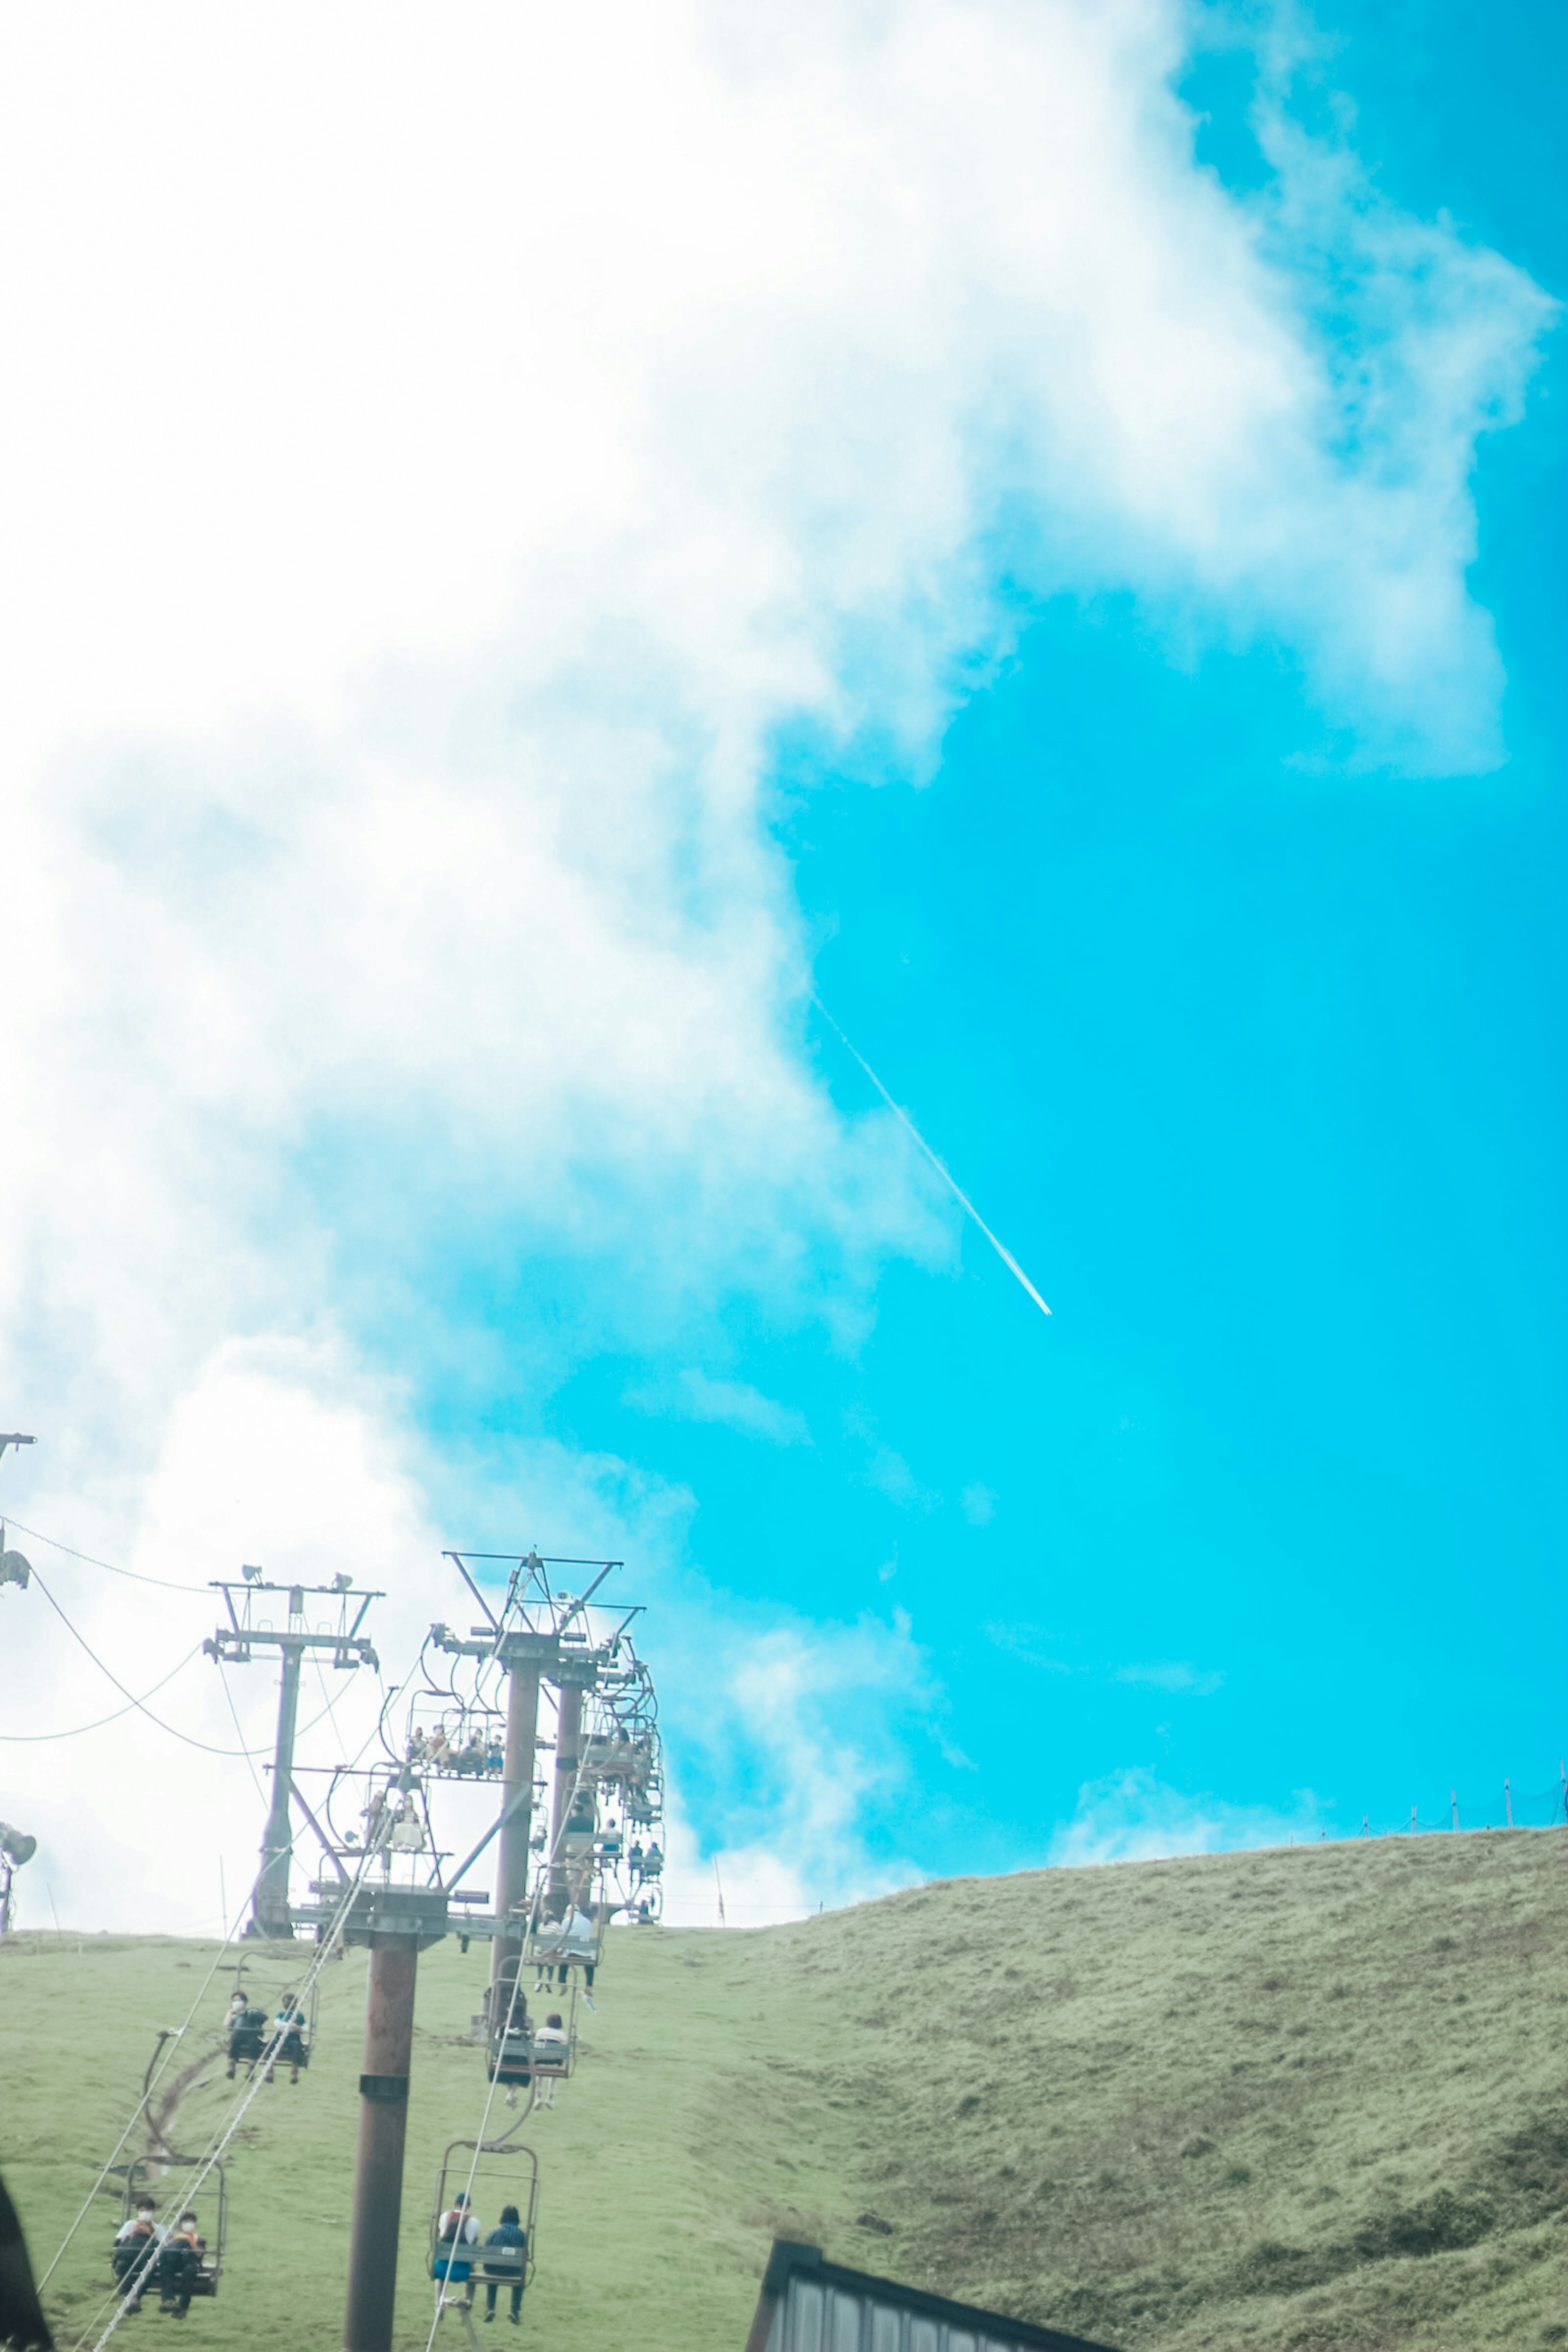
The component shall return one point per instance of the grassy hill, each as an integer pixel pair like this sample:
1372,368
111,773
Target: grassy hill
1296,2098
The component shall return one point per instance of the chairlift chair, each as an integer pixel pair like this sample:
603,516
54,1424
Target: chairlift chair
613,1757
137,2179
547,1945
458,1740
489,2172
251,2032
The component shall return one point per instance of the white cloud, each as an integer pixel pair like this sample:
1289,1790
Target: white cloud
891,1475
1172,1674
1130,1816
731,1404
425,503
801,1730
979,1506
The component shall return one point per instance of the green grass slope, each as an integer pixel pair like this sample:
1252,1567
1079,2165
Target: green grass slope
1296,2098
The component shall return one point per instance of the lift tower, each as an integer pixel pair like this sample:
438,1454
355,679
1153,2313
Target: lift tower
235,1645
540,1636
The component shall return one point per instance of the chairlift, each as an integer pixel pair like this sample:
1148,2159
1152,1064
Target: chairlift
462,1740
613,1757
202,2278
483,2172
574,1941
274,2026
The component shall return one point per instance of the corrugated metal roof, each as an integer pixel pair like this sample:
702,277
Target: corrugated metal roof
810,2305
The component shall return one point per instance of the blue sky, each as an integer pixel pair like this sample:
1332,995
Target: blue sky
476,1122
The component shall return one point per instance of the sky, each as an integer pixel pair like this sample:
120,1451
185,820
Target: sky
546,564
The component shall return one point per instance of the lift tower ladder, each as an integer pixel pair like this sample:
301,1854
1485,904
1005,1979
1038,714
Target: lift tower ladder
235,1645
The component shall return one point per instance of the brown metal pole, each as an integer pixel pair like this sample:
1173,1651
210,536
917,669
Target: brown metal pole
382,2128
568,1756
517,1805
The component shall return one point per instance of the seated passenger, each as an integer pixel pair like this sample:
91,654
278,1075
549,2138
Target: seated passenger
455,2231
512,2048
180,2266
136,2244
246,2032
552,2043
571,1940
653,1862
508,2233
288,2039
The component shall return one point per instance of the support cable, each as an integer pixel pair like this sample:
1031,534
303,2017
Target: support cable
206,1746
442,2284
258,2076
152,2084
234,1718
87,1559
31,1738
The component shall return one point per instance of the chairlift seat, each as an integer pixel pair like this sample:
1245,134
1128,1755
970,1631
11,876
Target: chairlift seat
511,2057
504,2262
552,2057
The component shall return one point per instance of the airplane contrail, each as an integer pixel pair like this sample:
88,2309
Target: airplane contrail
1003,1251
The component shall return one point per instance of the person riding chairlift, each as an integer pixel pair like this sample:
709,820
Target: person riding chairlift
577,1944
289,2033
458,2229
508,2233
180,2266
246,2028
553,2034
136,2247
